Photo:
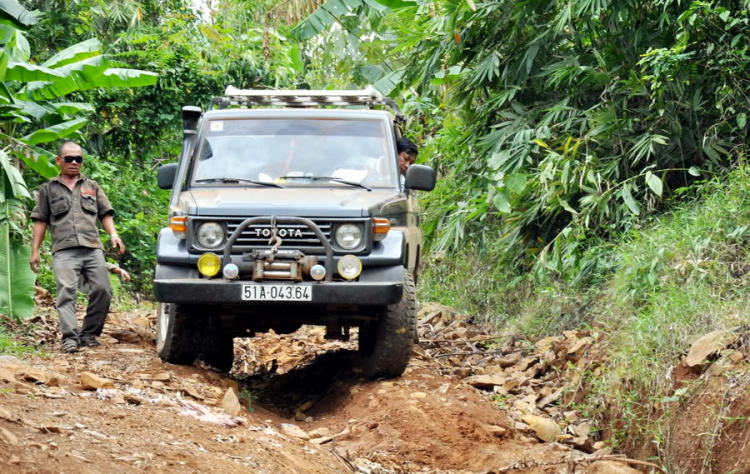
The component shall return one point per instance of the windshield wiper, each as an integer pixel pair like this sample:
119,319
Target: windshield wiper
329,178
239,180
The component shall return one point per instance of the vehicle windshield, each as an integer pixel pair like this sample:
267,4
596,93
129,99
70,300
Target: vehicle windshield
287,152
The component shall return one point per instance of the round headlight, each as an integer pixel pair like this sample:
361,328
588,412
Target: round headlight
349,267
209,264
348,236
210,235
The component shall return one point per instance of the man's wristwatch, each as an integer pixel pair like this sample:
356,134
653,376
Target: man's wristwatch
113,236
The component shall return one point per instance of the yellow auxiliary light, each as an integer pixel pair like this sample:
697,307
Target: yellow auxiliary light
209,264
349,267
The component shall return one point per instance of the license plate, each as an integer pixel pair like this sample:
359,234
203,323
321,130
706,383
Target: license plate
276,293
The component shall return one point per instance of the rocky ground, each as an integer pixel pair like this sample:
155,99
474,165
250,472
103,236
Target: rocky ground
295,404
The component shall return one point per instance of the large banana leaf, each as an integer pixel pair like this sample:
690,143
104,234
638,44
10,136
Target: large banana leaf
55,132
75,53
77,77
116,77
16,278
13,184
14,14
35,109
25,72
43,161
322,18
394,4
71,108
389,82
4,58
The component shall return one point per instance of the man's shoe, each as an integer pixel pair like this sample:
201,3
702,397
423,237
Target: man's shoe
69,346
90,341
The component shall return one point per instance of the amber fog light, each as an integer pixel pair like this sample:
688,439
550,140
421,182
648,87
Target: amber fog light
209,264
349,267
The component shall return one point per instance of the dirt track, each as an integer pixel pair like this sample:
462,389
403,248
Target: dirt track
165,418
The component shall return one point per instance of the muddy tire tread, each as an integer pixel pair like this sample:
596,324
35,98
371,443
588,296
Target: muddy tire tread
217,347
394,339
181,342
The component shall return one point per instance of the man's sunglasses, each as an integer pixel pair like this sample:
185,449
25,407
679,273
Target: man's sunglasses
71,159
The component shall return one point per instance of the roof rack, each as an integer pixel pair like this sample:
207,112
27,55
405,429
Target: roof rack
302,98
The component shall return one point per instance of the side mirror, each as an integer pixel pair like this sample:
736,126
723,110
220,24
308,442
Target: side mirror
165,175
420,177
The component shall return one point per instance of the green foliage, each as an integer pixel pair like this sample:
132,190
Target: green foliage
9,345
557,122
14,14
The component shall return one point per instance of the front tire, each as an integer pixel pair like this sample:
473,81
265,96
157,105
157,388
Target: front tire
217,348
385,345
176,334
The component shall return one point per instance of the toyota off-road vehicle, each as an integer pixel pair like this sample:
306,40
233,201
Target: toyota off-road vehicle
288,208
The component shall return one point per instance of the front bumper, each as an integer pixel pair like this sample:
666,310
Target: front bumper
375,287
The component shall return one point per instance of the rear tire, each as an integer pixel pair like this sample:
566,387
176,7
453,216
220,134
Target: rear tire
385,345
176,334
217,348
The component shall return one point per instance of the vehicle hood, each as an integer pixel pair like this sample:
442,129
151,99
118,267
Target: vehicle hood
301,202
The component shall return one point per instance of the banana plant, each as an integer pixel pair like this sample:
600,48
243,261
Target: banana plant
16,278
34,95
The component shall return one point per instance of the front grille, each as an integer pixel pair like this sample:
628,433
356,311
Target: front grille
293,236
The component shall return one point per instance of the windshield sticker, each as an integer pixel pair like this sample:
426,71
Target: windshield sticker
217,126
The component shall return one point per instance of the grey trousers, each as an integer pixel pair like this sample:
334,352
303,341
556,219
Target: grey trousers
69,265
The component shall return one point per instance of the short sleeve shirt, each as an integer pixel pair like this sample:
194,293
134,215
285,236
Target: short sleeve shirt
72,215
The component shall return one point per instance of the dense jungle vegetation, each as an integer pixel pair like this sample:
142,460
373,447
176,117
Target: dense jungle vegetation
591,152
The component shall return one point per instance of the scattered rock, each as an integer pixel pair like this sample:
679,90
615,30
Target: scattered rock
486,382
6,376
320,432
96,434
14,460
134,399
162,377
5,414
737,357
231,403
7,437
305,406
34,375
575,352
91,381
322,440
125,336
295,431
78,457
190,390
49,428
707,345
498,431
553,397
546,429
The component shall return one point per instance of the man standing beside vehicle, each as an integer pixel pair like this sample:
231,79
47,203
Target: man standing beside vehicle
70,205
